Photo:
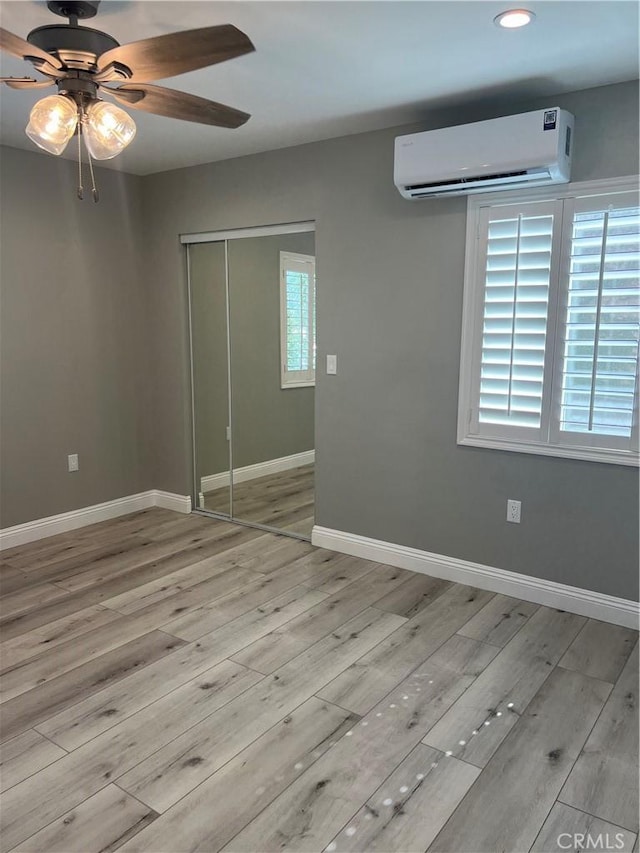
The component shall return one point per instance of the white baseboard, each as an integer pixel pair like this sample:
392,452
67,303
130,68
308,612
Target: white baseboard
595,605
167,500
10,537
211,482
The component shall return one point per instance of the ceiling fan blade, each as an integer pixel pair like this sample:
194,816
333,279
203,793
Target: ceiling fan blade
173,104
21,48
176,53
25,83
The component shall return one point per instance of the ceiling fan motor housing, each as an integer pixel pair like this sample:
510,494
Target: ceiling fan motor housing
60,38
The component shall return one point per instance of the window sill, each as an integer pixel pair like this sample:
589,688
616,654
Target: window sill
586,454
310,384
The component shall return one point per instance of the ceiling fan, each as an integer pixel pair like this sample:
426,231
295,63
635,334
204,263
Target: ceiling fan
84,63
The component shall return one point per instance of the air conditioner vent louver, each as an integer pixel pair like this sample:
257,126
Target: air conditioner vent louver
521,150
462,181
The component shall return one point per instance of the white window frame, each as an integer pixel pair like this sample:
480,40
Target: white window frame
547,441
307,264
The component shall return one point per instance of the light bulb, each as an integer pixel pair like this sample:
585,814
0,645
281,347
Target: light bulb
514,18
107,130
52,123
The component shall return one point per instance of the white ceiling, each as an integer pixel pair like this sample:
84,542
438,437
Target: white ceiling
325,69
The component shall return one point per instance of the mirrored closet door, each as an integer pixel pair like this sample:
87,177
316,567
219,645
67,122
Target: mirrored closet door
253,410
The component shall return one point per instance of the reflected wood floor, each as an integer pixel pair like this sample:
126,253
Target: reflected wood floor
283,500
175,683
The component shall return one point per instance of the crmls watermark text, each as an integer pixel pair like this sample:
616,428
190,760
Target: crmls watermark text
586,841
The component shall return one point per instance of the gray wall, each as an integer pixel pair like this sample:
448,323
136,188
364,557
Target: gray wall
74,350
268,421
389,305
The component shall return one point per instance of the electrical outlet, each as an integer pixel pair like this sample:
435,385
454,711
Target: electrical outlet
72,462
513,511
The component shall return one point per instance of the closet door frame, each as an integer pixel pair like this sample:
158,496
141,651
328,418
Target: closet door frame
223,237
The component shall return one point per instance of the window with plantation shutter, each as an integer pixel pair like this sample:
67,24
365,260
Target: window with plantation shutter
551,324
297,320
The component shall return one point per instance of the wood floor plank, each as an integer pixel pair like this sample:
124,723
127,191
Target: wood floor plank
26,599
111,566
173,771
70,564
492,705
604,781
48,637
23,623
329,571
84,721
273,554
67,656
364,684
13,580
26,556
30,709
33,673
565,826
309,813
212,614
24,755
208,817
169,585
411,806
413,596
102,822
529,768
600,650
126,559
276,648
499,620
33,804
20,624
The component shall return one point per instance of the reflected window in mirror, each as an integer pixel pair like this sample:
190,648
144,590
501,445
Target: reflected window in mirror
297,320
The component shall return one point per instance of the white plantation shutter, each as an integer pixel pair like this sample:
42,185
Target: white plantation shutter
515,320
551,326
597,380
516,267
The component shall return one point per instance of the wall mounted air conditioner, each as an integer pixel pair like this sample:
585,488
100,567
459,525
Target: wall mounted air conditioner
526,150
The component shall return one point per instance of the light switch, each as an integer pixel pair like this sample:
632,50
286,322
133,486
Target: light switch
332,364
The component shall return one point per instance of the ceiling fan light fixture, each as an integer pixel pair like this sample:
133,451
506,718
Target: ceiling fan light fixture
107,130
52,123
514,18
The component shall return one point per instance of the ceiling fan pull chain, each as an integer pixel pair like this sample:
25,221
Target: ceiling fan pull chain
80,189
94,189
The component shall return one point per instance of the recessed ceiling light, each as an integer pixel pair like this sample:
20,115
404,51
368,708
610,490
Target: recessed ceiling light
514,18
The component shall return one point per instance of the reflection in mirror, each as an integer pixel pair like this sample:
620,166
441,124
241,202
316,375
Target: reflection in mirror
210,368
272,332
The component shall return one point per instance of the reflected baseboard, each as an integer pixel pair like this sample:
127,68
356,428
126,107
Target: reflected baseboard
211,482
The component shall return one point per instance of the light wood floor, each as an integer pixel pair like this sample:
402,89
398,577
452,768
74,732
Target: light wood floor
283,500
175,683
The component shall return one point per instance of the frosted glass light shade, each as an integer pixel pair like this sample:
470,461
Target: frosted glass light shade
52,123
107,130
